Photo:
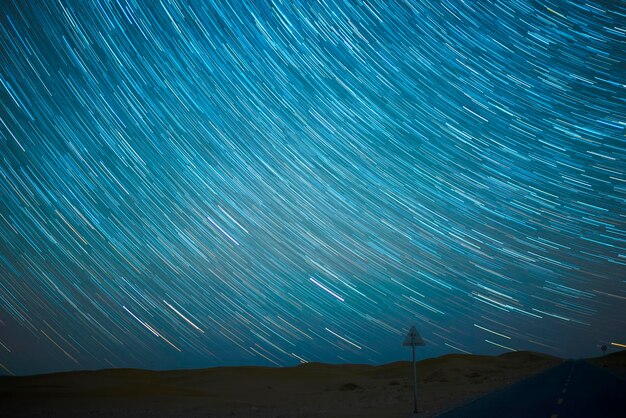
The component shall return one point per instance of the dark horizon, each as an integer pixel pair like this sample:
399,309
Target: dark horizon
187,184
313,363
407,359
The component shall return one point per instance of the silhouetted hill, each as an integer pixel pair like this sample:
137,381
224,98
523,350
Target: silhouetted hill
307,390
614,363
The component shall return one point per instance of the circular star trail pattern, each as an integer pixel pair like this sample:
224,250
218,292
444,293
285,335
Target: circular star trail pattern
188,184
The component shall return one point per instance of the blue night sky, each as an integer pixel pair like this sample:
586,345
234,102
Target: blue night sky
201,183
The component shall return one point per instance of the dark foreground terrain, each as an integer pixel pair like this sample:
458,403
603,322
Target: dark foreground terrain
574,389
308,390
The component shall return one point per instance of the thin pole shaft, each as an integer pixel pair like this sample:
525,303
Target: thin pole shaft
414,384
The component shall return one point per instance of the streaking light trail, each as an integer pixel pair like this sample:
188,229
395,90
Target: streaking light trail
195,183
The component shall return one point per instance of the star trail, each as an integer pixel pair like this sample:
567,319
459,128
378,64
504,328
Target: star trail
201,183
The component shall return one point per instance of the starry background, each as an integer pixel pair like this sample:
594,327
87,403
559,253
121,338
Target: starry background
191,184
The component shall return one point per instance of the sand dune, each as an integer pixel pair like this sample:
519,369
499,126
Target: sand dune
308,390
614,363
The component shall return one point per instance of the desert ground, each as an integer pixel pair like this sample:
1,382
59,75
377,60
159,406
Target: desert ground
614,363
307,390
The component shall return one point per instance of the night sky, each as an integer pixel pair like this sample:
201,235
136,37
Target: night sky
203,183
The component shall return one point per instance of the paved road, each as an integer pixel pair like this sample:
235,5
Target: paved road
574,389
